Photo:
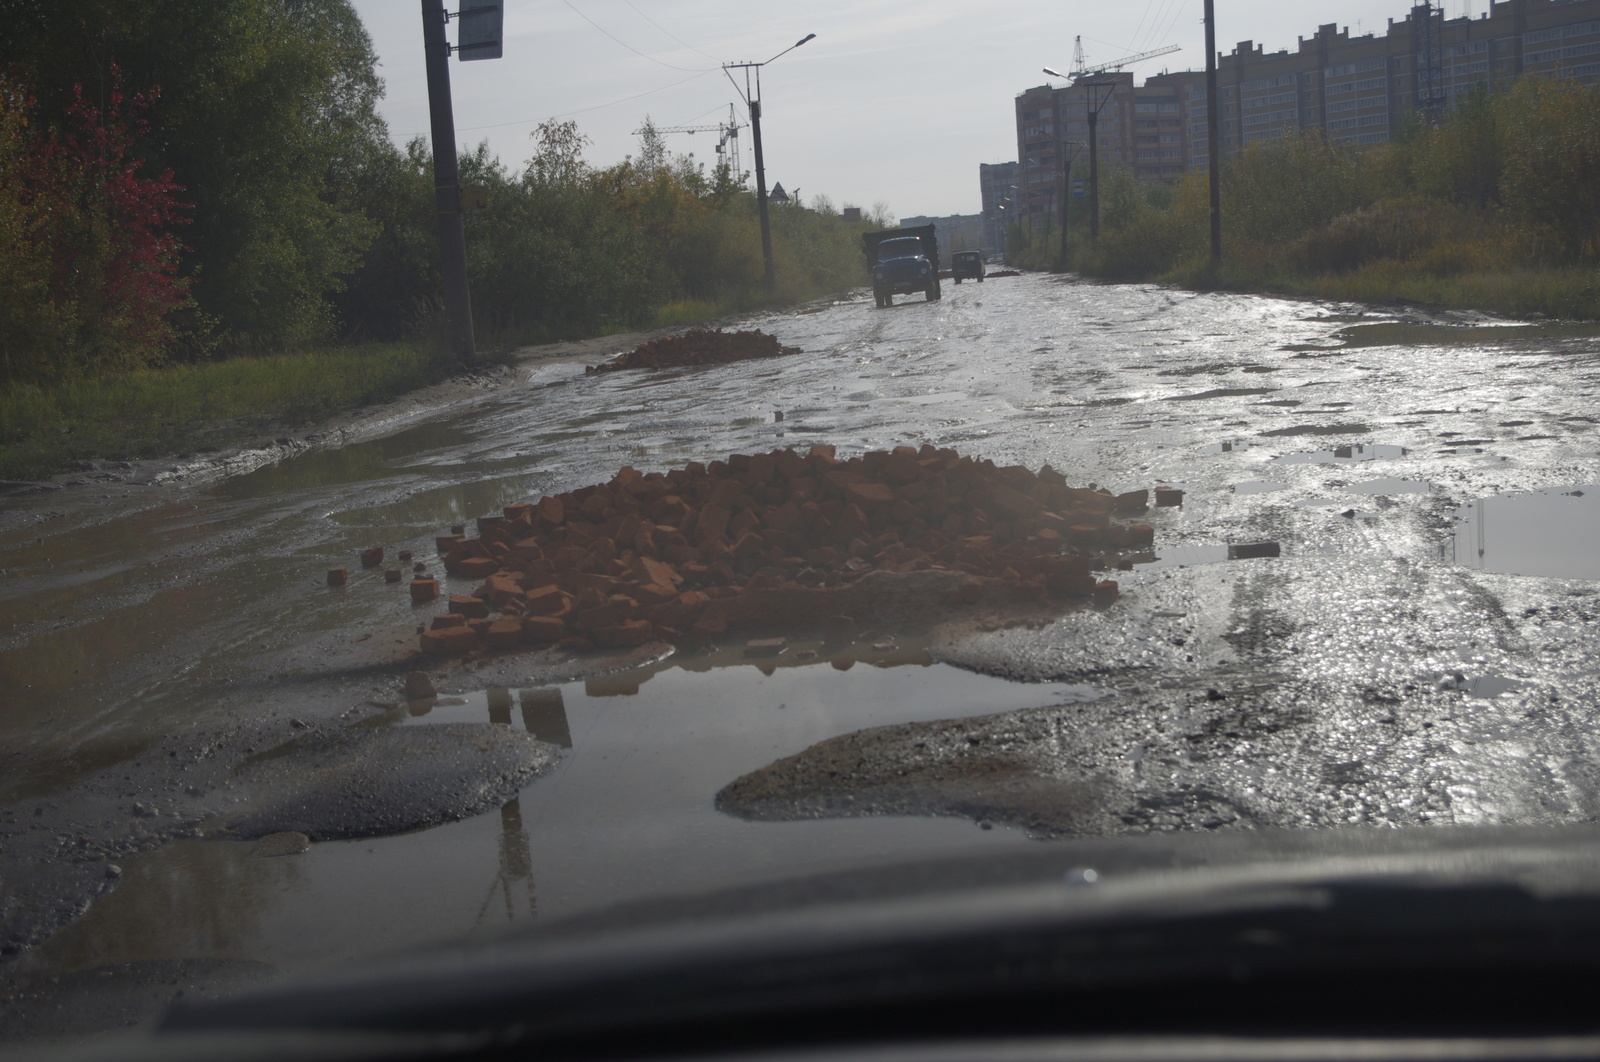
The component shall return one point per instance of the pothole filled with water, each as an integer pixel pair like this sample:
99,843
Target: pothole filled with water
627,814
1554,533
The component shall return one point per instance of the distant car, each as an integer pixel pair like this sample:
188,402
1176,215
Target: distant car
966,264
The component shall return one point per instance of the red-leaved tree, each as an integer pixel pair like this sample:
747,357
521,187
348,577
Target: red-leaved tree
95,278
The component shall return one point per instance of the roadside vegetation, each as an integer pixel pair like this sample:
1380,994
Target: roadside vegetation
206,241
1497,208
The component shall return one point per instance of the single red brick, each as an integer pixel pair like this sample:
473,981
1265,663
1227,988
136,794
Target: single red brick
446,620
469,606
504,633
543,628
338,576
424,589
451,641
477,567
392,575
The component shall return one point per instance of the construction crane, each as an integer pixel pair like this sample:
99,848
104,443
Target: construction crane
729,130
1079,70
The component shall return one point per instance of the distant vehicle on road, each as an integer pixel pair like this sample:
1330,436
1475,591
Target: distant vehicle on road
903,261
966,265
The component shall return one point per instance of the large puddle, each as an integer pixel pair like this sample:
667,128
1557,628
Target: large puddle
1551,533
629,814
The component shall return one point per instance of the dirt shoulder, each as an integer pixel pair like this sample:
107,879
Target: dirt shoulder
103,488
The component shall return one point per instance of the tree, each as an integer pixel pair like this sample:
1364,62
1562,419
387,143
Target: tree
94,252
267,118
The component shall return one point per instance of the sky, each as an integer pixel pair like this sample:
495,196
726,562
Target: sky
892,103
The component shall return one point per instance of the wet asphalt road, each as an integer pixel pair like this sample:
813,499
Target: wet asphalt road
1389,668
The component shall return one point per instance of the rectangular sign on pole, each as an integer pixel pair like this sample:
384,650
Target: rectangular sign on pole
1078,184
478,29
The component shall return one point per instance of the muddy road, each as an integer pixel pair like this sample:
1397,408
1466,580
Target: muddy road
206,770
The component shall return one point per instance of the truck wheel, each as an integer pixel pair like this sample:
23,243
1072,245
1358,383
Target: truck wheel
933,292
980,280
957,280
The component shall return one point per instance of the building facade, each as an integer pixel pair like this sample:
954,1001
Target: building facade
998,182
1355,89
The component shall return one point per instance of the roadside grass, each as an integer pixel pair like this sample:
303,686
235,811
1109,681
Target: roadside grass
182,408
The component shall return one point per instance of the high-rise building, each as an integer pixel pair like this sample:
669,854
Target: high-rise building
998,183
1355,89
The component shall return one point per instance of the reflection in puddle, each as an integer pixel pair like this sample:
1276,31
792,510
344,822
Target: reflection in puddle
1343,455
1257,486
628,814
1548,533
1238,446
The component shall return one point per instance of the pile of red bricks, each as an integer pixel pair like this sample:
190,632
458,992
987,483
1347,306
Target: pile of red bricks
698,346
681,556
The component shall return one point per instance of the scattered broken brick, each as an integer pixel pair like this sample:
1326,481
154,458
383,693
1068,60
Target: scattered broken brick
781,540
698,346
371,558
338,576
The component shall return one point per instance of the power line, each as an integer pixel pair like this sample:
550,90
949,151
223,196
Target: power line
624,43
580,110
663,29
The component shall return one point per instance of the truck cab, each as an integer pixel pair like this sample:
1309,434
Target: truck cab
903,261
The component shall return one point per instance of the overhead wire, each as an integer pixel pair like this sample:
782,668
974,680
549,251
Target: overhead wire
583,110
625,44
669,33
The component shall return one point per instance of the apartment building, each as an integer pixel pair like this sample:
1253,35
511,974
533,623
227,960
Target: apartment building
1356,89
997,182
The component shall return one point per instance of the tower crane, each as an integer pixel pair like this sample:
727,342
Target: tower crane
1079,70
729,131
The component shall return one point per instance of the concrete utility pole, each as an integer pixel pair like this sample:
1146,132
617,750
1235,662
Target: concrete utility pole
1213,139
446,184
768,267
753,99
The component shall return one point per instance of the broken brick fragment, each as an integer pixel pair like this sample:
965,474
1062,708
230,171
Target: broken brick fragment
468,606
450,641
424,590
504,633
371,558
338,576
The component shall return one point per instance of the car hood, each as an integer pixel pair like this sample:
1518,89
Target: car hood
1101,922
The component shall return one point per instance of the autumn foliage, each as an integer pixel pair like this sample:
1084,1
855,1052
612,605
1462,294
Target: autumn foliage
91,277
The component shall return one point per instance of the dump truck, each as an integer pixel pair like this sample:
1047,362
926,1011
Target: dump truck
903,261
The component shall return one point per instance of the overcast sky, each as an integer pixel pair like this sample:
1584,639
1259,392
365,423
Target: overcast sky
892,102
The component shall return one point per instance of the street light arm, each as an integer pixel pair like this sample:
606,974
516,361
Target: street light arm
791,47
1054,73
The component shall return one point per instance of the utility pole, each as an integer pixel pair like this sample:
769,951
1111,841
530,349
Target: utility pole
1213,137
768,267
1066,203
1093,114
446,185
753,99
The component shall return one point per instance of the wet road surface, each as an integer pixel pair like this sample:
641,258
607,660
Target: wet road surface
1419,652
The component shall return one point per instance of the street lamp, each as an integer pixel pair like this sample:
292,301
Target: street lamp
1093,115
753,101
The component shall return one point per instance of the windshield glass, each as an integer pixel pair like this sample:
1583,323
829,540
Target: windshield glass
411,545
901,248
